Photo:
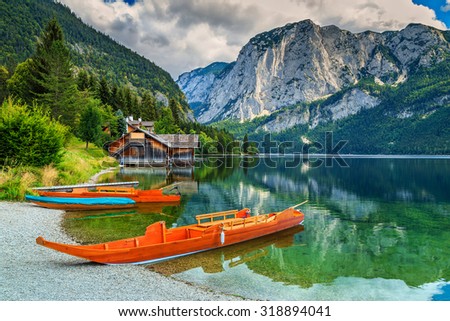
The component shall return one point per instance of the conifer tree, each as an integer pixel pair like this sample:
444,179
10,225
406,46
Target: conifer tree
121,123
104,91
83,80
19,85
4,75
245,144
174,108
90,123
52,83
149,111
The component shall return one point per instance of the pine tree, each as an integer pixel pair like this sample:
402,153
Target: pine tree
121,123
166,123
52,83
19,85
245,144
104,92
83,80
174,108
149,111
90,123
4,75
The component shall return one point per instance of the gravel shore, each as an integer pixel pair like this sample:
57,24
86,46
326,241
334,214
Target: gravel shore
29,272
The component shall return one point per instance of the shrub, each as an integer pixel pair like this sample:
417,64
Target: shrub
29,137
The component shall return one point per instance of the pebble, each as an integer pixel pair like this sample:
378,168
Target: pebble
29,272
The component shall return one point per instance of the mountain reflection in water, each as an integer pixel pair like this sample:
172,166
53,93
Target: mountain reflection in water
378,229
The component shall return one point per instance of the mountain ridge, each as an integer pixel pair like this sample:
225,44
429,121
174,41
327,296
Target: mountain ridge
382,93
303,62
23,20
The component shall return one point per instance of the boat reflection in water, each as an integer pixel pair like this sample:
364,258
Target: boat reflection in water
376,230
103,226
218,260
139,208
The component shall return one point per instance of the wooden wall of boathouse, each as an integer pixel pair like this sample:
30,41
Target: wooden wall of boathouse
141,148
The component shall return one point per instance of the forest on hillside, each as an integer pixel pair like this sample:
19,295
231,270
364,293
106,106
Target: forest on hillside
23,21
424,99
47,99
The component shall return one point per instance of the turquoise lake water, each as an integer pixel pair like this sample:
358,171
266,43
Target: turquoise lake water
377,229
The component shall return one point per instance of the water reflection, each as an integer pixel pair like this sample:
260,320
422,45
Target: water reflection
381,223
332,259
216,261
376,230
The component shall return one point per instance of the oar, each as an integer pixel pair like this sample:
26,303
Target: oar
299,204
293,206
172,187
169,186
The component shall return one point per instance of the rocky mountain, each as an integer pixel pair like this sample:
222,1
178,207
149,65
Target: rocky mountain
307,75
199,81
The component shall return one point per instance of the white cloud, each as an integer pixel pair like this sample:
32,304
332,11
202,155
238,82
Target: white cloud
446,8
180,35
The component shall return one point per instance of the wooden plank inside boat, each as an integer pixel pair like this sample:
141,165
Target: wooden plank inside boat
211,218
68,187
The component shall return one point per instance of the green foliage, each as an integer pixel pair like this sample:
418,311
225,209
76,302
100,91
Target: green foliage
119,78
121,124
166,124
175,109
83,81
90,123
412,118
239,129
52,83
21,22
245,144
29,136
149,110
16,180
122,98
218,140
47,77
18,85
207,144
4,75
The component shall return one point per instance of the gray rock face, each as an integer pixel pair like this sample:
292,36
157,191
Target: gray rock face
303,62
350,104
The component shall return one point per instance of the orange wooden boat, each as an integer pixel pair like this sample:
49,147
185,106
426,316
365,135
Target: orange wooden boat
123,189
212,231
82,204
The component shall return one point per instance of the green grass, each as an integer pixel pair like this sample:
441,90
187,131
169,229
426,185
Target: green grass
78,165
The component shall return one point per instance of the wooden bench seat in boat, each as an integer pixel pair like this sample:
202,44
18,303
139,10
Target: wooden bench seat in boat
239,221
206,220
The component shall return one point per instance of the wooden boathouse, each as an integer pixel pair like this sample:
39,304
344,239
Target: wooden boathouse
141,146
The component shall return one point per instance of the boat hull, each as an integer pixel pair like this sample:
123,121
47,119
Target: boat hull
139,196
75,204
160,243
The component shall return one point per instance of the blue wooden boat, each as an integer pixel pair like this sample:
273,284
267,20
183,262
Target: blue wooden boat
81,203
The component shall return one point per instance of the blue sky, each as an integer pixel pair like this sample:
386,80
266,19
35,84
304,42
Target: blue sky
440,7
181,35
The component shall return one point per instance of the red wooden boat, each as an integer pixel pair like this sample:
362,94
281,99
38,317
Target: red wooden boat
212,231
122,189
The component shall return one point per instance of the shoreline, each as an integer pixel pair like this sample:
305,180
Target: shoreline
29,272
94,179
